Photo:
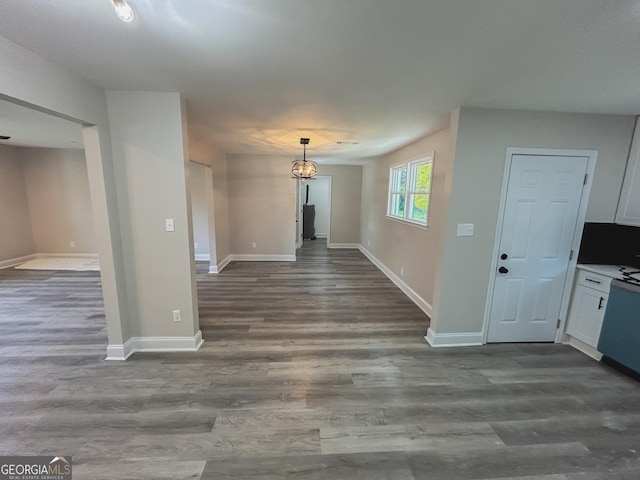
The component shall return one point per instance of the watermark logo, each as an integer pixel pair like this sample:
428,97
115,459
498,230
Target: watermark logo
35,468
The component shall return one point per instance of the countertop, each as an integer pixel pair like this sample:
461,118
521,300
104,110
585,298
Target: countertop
612,271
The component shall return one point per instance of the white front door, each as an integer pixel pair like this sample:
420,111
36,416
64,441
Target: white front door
540,217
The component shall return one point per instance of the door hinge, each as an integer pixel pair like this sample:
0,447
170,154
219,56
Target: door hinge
558,324
586,177
571,255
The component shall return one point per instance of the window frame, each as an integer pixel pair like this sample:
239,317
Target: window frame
397,169
411,168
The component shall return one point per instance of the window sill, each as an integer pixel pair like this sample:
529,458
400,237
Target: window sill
408,223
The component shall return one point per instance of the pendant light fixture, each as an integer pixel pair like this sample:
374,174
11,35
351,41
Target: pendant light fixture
305,169
123,10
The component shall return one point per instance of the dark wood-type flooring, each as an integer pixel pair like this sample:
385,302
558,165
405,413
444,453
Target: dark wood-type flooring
310,370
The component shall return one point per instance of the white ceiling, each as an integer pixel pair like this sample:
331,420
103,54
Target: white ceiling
259,74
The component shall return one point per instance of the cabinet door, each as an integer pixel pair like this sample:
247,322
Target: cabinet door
586,314
628,212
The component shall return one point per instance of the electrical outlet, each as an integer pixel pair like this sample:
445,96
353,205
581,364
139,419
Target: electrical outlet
253,244
195,245
176,316
168,225
401,271
72,244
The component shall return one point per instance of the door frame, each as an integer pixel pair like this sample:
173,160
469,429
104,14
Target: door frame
298,216
300,203
592,156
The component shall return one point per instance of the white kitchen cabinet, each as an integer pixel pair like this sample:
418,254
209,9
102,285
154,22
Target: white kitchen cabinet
628,212
586,311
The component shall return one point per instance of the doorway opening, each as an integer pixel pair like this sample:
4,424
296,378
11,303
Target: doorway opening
314,200
50,275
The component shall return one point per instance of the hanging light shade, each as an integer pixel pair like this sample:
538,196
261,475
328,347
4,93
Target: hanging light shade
304,168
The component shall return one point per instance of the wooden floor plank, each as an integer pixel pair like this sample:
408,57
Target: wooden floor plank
315,369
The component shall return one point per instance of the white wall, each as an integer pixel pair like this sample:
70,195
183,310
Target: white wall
218,205
221,207
483,136
200,209
346,193
150,156
16,239
59,200
31,80
398,245
262,196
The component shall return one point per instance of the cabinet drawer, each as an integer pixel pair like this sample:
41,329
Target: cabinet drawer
594,280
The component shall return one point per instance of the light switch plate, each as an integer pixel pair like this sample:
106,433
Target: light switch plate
465,229
168,225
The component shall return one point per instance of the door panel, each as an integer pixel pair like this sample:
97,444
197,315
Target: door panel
511,302
540,217
522,230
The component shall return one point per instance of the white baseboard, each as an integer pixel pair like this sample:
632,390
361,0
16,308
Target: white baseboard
408,291
242,257
119,352
467,339
12,262
218,268
202,257
62,255
584,348
154,344
343,245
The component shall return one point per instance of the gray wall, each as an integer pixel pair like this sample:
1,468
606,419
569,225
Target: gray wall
261,196
16,239
483,136
346,193
397,244
59,201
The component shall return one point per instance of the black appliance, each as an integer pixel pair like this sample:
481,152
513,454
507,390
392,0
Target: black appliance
308,219
610,244
620,335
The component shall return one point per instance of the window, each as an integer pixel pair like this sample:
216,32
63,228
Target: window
397,191
410,190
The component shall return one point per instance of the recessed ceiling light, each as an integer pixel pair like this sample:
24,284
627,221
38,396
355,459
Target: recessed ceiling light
123,10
